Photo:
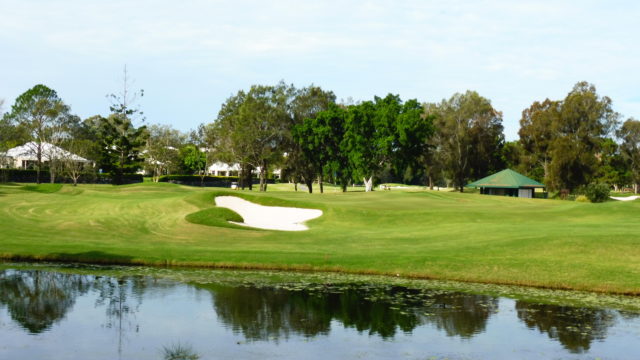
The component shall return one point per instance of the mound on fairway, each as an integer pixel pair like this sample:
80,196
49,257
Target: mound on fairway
268,217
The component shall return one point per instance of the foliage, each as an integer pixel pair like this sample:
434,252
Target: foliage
43,117
597,193
322,143
386,133
584,120
120,145
368,139
469,135
74,169
511,155
251,127
536,136
582,198
612,167
302,162
161,152
192,159
630,149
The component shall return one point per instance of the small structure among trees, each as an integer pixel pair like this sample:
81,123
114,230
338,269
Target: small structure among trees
507,183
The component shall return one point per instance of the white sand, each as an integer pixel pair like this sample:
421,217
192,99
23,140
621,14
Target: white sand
628,198
268,217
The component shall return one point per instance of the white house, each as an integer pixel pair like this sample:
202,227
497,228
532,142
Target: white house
222,169
25,156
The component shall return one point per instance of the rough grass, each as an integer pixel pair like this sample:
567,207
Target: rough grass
429,234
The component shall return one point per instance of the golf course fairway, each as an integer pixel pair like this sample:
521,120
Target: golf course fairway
425,234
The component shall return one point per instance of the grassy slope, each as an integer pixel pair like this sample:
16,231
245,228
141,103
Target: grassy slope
427,234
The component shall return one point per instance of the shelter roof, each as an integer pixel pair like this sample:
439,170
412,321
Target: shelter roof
506,179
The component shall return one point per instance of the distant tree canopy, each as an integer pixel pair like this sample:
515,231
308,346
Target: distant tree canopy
630,135
567,144
251,128
40,117
469,137
120,145
162,150
565,138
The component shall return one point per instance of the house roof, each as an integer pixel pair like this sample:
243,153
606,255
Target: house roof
220,166
506,179
29,150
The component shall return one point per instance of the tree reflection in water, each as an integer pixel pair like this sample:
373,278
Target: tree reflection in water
122,298
37,299
575,328
274,313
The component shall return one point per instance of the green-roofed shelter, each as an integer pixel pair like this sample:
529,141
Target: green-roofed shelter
507,183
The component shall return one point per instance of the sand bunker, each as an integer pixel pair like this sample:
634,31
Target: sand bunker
268,217
628,198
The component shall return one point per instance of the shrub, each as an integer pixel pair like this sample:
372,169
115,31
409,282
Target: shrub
582,198
597,192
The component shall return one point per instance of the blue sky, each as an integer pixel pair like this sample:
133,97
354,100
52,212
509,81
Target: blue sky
189,56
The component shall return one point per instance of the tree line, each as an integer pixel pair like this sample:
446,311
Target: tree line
314,139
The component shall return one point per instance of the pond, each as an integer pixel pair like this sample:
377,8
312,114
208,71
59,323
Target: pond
68,312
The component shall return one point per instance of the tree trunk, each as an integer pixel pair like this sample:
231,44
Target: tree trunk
430,182
320,184
263,176
309,184
39,162
241,176
344,187
368,184
295,186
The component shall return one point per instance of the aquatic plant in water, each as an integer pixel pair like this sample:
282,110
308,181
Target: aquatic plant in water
179,352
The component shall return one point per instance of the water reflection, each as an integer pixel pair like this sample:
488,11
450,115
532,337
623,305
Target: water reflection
38,299
575,328
138,313
273,313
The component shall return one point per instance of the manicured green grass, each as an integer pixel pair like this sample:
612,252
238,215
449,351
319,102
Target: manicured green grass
431,234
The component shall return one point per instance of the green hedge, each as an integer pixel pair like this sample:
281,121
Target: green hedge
211,181
30,176
195,178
